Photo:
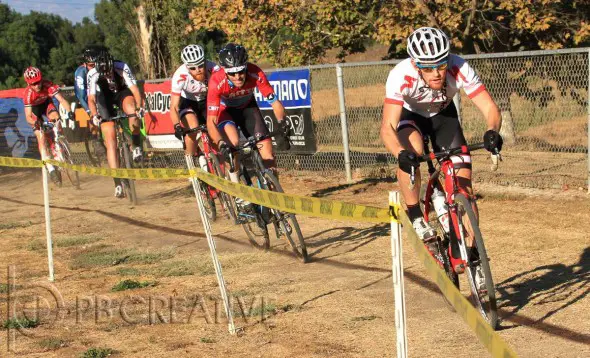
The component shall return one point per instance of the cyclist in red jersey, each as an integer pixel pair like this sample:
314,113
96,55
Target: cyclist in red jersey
231,104
38,103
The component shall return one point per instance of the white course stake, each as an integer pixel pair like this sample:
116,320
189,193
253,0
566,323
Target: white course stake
214,258
48,222
398,280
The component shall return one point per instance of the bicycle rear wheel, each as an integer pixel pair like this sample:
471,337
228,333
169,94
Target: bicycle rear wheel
479,274
128,184
227,202
287,222
66,157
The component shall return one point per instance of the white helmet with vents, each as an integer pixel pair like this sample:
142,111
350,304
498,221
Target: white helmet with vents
428,45
193,55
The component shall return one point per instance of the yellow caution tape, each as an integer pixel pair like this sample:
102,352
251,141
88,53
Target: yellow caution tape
299,204
123,173
484,332
20,162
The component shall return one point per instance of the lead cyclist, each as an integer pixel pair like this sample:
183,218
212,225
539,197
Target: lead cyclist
419,101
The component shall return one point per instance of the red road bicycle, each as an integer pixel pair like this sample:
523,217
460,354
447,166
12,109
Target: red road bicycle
208,161
459,245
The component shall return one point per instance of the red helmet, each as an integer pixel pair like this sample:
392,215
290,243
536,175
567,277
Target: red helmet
32,75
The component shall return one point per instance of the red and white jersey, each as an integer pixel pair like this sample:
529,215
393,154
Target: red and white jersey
123,78
223,93
184,85
406,87
33,98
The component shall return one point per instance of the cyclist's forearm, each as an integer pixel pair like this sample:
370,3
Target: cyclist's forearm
137,96
494,118
212,128
63,102
29,116
279,110
92,105
174,111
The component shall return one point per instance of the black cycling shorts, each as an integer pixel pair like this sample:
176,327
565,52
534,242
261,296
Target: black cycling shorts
105,102
248,118
43,109
443,129
198,108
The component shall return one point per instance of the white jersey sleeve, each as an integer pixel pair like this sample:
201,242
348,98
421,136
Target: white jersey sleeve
124,71
399,83
92,81
179,80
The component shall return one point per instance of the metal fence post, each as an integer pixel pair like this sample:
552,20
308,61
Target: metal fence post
588,109
344,123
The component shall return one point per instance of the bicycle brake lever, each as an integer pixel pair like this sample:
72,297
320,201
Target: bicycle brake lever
495,159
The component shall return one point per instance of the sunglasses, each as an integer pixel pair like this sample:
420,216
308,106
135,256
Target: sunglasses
36,83
233,74
90,65
430,69
194,68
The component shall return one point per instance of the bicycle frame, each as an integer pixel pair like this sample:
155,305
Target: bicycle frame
207,151
451,188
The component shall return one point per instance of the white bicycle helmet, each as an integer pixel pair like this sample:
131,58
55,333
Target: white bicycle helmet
193,55
428,45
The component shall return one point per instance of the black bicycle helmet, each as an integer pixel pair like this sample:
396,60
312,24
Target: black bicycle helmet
104,63
91,53
233,55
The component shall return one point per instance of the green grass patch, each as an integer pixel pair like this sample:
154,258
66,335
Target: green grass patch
97,353
260,311
52,344
207,340
36,245
76,241
200,266
151,257
24,322
132,285
100,255
8,226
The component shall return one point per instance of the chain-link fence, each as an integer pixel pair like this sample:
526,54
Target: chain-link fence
543,96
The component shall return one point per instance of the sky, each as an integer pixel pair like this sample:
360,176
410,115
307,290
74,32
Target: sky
73,10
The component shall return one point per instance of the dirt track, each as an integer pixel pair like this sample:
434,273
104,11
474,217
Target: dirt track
339,305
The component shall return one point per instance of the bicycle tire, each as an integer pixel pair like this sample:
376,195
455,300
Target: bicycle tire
208,201
256,230
227,202
483,300
66,157
129,184
287,221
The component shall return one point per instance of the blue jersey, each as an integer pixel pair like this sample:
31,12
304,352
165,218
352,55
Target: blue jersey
81,85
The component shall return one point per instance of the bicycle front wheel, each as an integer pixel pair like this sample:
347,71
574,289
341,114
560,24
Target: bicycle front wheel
479,274
129,184
66,157
287,222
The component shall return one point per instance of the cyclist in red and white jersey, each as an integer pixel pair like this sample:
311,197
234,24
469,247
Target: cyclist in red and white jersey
419,101
231,103
111,83
188,101
37,100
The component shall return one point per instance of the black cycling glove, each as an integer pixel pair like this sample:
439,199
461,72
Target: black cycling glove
282,138
178,131
492,141
408,160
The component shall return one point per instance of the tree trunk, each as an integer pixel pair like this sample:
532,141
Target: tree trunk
144,47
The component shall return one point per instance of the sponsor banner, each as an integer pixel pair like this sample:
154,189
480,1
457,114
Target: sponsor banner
292,88
16,135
